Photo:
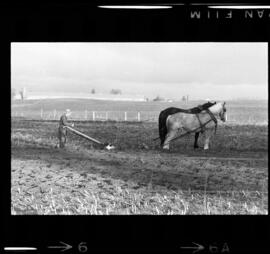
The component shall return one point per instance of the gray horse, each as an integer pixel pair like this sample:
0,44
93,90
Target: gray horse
205,121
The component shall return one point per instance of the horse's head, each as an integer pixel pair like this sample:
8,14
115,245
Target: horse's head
220,110
222,113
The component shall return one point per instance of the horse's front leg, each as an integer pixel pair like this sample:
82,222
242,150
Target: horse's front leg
207,135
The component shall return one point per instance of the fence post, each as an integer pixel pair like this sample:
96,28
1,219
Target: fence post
41,113
85,114
93,115
54,114
125,116
106,116
139,116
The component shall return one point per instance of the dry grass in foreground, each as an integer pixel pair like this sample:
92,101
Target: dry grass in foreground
124,202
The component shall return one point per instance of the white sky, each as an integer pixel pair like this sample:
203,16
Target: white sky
171,70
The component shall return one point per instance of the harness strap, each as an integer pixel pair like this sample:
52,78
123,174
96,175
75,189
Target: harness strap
213,118
202,126
189,132
200,122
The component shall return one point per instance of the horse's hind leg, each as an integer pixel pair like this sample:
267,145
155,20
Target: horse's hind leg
196,140
206,143
170,135
162,141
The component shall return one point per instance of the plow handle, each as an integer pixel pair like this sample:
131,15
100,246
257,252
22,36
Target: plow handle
83,135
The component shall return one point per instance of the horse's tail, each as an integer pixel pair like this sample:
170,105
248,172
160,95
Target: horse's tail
162,127
162,122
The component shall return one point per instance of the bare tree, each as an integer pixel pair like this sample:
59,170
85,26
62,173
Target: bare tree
23,93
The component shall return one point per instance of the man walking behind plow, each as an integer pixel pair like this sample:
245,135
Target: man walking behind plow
62,131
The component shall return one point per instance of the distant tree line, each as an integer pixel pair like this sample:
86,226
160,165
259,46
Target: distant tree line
158,98
113,91
116,91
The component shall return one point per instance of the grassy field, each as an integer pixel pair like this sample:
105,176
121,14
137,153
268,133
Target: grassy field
137,177
239,112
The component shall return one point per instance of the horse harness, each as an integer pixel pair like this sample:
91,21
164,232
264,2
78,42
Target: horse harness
202,126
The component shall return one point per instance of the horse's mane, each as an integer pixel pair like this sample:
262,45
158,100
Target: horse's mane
200,108
194,110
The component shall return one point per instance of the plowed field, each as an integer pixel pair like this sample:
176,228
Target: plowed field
137,177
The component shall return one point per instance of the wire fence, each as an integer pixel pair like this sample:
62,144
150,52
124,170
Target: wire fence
121,116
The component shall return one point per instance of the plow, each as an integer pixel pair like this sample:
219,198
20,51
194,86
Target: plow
106,146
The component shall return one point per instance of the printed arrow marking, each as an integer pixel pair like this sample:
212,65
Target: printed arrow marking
196,248
64,248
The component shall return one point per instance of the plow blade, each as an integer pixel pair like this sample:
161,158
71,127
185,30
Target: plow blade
107,146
